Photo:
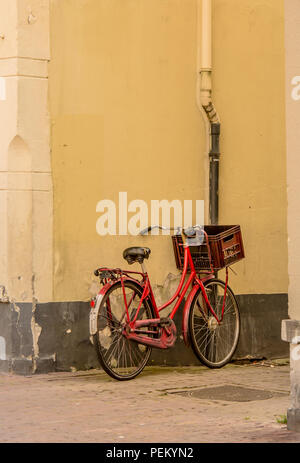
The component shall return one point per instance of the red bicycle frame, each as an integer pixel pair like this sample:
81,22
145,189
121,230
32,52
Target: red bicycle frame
193,278
132,329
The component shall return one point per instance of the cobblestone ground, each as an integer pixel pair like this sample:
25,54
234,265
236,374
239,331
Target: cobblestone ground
91,407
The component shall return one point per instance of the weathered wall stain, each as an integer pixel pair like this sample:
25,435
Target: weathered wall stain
2,348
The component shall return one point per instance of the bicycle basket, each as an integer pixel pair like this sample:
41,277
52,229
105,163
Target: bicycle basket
226,247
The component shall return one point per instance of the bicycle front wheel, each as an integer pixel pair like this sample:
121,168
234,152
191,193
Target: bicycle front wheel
213,343
121,358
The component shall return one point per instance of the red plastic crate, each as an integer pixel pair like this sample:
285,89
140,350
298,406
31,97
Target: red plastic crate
226,247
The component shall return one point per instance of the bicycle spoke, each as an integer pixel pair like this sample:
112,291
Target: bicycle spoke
215,342
109,354
205,339
114,322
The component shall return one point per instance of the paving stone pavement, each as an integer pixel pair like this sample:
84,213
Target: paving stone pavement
89,406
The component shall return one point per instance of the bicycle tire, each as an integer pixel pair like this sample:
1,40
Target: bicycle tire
116,354
208,338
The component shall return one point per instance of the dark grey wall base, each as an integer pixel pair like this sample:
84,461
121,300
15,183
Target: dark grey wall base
261,316
61,334
45,338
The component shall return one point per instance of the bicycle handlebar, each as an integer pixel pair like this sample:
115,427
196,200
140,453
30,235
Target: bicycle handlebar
189,231
146,230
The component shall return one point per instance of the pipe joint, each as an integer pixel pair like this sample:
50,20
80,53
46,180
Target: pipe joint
214,157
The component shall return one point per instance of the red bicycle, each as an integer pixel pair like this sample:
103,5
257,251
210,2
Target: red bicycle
125,322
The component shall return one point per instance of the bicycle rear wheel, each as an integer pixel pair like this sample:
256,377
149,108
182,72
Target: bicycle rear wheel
121,358
214,344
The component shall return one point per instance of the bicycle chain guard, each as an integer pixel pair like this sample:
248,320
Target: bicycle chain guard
167,333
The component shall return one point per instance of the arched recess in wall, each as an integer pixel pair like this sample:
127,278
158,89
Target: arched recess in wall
19,158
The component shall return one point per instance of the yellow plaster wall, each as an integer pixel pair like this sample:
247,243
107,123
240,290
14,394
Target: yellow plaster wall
124,118
249,91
